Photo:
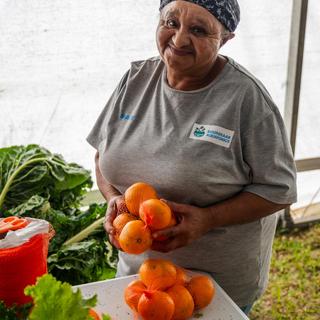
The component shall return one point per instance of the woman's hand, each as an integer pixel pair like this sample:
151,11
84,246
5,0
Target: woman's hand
192,224
116,206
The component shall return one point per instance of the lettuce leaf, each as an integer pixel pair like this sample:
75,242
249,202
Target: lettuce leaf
55,300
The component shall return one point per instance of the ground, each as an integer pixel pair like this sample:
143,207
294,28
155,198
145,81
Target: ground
294,287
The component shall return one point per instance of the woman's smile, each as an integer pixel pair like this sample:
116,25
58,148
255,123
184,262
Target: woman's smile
180,52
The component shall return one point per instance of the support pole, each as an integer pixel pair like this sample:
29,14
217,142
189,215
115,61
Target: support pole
295,61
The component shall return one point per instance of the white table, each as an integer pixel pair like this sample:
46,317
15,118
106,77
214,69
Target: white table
111,301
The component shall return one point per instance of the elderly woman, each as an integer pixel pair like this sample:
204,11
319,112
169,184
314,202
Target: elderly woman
206,134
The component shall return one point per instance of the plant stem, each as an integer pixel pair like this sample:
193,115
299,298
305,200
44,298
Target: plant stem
85,232
12,177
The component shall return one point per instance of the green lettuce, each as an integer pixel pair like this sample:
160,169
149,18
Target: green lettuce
55,300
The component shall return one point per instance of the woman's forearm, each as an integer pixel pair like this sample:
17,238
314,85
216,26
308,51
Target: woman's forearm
242,208
107,190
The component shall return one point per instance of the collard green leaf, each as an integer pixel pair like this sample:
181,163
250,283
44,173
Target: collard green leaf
31,170
83,262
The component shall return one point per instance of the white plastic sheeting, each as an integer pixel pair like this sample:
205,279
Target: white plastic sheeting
60,60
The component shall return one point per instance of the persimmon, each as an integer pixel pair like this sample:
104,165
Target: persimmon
182,277
158,274
202,290
155,305
155,213
133,292
93,314
135,237
136,194
121,220
183,302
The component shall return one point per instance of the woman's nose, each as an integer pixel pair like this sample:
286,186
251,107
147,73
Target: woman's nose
181,38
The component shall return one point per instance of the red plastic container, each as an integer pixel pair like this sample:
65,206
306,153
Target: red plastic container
20,266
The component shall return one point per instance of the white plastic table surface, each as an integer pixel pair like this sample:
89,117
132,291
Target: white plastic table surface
111,301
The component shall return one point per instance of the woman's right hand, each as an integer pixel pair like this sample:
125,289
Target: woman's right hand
116,206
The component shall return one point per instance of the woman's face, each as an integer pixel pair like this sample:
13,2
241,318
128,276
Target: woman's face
188,37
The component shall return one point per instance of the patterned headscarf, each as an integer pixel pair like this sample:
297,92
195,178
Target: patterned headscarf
226,11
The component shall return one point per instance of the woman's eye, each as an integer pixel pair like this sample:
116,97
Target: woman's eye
198,31
171,23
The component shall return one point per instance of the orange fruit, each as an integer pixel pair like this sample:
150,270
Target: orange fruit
135,237
155,305
121,220
182,277
173,221
183,302
93,314
155,213
202,290
136,194
133,292
158,274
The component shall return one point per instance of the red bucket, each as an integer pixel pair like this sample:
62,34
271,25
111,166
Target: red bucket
20,266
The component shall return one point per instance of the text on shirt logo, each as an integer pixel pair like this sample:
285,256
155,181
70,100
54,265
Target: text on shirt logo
211,133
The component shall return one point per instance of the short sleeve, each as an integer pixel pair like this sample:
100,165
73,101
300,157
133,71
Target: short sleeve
267,151
99,131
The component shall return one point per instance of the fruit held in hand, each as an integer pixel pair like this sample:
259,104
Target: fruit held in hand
135,237
121,220
202,290
158,274
136,194
155,213
155,305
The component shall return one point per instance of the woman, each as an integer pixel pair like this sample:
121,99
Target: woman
206,134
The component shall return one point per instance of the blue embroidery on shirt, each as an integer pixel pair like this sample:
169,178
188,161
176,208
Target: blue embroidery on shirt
127,117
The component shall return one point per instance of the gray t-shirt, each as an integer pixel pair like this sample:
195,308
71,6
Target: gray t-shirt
200,147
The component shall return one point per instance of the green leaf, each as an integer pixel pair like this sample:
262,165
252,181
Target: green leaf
26,171
83,262
54,300
14,312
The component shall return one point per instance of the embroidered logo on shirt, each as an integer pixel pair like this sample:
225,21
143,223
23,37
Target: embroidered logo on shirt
214,134
127,117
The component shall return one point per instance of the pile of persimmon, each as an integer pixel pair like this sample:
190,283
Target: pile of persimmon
164,291
147,213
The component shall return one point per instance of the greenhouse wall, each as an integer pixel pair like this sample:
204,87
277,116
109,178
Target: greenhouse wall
60,60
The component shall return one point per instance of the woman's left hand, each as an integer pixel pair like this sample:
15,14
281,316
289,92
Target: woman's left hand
192,224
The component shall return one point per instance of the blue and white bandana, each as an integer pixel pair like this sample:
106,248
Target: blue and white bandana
226,11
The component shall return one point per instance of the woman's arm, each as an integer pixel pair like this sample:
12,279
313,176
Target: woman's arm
195,222
106,189
115,199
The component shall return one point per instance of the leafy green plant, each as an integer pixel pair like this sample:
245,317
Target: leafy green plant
31,170
14,312
36,183
55,300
